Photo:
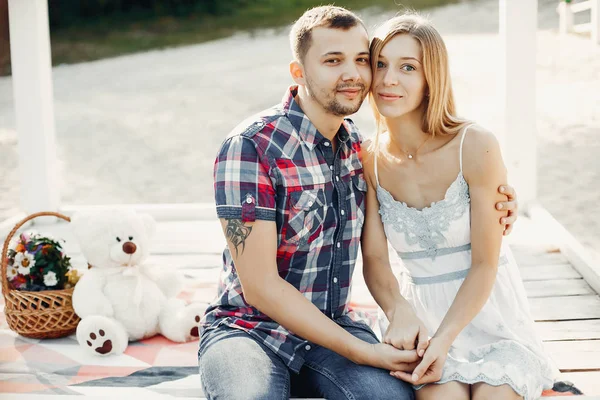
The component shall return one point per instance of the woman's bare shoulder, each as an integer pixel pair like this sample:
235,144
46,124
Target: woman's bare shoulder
481,152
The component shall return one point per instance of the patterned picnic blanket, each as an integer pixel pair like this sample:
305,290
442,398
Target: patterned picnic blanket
148,368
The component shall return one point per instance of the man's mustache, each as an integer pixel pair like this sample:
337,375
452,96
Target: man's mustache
359,86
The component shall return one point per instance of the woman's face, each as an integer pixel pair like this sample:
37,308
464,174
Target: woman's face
399,84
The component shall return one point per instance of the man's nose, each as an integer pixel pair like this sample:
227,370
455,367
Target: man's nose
351,73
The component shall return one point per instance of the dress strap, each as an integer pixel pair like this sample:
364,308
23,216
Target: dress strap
462,140
375,165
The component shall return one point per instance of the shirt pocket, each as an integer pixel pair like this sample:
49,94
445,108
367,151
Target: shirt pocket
359,188
305,215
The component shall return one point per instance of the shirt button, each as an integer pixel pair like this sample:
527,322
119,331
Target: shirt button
337,178
334,280
338,245
310,203
307,347
249,200
326,144
331,167
342,212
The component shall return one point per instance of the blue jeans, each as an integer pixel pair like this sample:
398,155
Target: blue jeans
235,366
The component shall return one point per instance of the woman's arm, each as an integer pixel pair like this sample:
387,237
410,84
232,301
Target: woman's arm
484,171
405,328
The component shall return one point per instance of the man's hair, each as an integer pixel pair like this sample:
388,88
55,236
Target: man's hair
324,16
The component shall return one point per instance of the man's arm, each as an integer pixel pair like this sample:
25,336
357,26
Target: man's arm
253,246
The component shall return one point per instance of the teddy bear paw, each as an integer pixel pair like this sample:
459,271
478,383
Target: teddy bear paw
95,339
102,336
194,331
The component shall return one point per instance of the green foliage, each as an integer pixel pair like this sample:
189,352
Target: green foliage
65,13
48,258
86,30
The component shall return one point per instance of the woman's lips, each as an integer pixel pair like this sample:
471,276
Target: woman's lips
389,96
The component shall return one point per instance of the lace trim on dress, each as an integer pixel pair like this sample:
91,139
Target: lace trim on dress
426,227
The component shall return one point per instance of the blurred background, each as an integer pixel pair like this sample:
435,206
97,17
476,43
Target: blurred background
146,90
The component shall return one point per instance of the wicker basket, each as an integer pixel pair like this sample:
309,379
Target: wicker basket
40,315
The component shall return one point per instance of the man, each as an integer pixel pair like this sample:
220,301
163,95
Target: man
290,193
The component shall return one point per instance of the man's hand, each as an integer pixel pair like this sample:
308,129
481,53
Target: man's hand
406,331
385,356
511,205
430,368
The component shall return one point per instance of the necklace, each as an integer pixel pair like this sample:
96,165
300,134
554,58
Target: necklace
410,155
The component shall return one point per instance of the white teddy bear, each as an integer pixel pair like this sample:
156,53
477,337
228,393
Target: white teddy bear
121,298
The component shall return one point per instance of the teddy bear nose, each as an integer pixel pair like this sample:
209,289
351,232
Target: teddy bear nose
129,248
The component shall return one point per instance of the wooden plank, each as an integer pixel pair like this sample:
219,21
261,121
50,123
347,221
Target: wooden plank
573,356
549,272
588,382
535,259
552,288
179,261
202,275
188,261
569,330
565,308
580,258
180,237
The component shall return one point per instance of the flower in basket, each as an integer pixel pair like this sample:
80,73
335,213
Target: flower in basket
24,261
37,262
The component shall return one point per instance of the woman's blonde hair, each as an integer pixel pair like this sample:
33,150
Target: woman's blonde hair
439,115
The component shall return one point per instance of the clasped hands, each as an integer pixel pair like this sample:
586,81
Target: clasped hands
408,352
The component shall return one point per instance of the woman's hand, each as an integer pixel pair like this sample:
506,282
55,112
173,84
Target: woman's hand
430,368
407,332
385,356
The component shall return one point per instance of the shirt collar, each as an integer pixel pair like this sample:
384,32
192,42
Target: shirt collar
305,128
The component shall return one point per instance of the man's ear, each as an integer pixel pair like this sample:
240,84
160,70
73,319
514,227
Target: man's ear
297,72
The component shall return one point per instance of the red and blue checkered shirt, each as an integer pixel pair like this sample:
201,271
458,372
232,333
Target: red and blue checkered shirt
277,167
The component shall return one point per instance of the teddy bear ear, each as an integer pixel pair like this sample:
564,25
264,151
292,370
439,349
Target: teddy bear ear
149,224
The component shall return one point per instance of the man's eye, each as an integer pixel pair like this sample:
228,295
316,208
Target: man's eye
363,60
380,64
332,61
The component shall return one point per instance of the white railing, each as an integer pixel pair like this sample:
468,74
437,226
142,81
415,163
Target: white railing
567,10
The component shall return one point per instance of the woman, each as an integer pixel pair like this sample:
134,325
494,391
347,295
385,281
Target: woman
433,176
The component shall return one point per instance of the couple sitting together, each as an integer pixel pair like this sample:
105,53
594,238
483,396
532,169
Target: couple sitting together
297,191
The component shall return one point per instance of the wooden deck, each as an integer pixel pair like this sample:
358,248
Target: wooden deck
565,307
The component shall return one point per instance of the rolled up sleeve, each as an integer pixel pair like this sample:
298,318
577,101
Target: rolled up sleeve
243,187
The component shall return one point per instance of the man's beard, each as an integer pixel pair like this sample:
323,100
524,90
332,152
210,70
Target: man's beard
333,106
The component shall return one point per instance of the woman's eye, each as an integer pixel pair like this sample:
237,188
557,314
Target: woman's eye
380,64
363,60
408,68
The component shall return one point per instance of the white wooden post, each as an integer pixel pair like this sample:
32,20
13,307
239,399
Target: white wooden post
565,18
595,21
518,27
32,87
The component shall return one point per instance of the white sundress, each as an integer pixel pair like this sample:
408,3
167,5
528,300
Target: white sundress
500,345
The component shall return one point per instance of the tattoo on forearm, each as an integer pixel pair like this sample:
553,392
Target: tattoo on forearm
237,233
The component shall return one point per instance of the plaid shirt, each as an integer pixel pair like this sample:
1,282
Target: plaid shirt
278,167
